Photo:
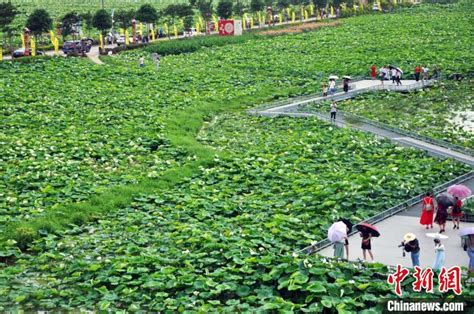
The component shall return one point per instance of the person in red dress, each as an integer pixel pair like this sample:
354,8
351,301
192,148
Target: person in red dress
456,213
427,211
373,72
417,73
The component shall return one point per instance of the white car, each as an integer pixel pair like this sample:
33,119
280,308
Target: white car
121,40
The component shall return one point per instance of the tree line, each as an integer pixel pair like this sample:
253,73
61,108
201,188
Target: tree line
40,21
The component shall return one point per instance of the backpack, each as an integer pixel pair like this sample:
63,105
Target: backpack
427,206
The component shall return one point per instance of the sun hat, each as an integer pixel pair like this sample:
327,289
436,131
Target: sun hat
409,237
437,236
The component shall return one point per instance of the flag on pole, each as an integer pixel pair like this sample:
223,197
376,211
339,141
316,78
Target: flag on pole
152,34
175,31
33,47
280,18
1,53
127,38
332,11
293,17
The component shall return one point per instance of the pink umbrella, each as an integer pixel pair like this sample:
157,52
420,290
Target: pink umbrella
459,190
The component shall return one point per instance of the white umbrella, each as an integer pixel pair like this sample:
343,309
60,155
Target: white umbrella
437,236
398,69
347,77
333,77
466,231
337,231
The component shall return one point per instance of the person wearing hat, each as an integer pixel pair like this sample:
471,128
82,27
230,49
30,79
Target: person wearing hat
439,251
411,245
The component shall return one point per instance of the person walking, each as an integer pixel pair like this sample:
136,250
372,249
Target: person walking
339,249
417,73
427,210
373,72
468,245
332,87
398,77
142,62
383,74
456,213
412,246
441,217
426,72
393,74
366,245
333,111
325,90
440,254
436,72
345,85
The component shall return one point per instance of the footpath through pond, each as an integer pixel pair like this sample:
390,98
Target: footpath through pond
394,225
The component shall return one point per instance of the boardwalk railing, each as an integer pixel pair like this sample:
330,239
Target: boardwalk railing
313,248
454,147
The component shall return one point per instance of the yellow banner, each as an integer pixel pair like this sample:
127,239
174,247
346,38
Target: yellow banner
293,17
152,34
311,9
166,29
332,11
288,12
101,41
198,28
305,14
51,34
175,31
1,54
56,46
22,41
251,22
280,18
127,38
141,29
33,47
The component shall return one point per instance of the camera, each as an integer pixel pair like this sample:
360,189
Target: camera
402,245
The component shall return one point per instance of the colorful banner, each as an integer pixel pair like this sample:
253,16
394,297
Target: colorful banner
175,31
101,41
332,11
153,37
1,53
33,47
280,18
127,38
293,17
56,46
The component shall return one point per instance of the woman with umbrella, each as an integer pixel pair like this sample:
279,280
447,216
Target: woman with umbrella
337,234
458,191
467,234
427,211
439,250
345,83
444,200
367,231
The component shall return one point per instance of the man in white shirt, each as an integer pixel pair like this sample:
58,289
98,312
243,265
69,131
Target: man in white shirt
393,74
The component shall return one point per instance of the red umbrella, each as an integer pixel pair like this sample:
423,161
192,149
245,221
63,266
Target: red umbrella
368,228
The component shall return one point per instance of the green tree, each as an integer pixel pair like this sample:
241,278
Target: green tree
67,24
39,22
102,21
147,14
282,4
178,10
205,7
239,8
8,13
124,18
188,22
86,20
224,8
256,5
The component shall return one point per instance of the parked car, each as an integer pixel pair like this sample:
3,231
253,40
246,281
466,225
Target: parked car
78,46
121,40
21,53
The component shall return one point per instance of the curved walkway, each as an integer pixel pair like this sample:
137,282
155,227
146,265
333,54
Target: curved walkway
402,220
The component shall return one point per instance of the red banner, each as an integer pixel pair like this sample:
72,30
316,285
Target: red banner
226,27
